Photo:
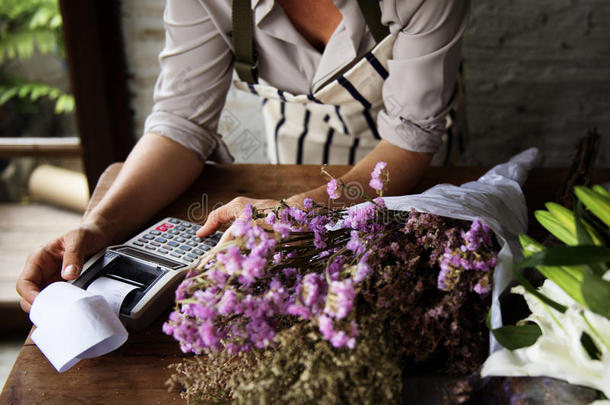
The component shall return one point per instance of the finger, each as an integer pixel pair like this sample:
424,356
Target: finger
73,255
25,306
28,291
37,267
216,218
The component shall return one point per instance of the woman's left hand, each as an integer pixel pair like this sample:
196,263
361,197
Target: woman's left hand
230,212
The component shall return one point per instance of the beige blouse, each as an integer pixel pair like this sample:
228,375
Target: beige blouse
197,65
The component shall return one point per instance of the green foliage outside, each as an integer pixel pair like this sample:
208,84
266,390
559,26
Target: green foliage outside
27,26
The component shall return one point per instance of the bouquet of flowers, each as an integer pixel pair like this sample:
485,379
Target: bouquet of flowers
323,305
567,334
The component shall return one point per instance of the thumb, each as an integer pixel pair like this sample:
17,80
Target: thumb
73,255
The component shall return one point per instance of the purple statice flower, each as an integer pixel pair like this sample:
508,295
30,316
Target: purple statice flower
277,258
182,290
299,216
478,234
216,275
240,227
361,218
319,240
483,287
170,326
282,228
289,272
252,269
380,202
185,333
325,324
355,244
248,212
277,295
231,258
340,298
317,225
335,268
270,219
260,332
200,311
207,332
308,204
332,188
207,297
376,182
228,303
313,289
338,338
363,270
298,310
449,274
264,247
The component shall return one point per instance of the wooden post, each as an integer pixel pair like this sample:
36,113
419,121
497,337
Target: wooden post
98,75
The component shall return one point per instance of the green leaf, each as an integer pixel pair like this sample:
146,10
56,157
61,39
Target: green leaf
581,233
516,337
590,347
566,256
602,191
7,93
569,279
556,227
597,203
596,292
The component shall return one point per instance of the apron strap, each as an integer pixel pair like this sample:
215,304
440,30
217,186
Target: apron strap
243,41
243,34
371,10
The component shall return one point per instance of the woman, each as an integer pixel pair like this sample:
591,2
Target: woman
335,89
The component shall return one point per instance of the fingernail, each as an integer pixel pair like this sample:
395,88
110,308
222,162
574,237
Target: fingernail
70,270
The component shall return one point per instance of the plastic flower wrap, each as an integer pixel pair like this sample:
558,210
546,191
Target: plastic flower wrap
329,306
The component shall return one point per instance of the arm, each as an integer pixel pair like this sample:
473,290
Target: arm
417,93
401,180
155,173
196,66
417,96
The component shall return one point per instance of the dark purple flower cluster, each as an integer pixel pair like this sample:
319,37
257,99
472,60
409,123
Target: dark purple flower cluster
468,256
319,265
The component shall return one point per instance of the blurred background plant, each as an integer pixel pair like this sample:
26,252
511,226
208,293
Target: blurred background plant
35,100
27,26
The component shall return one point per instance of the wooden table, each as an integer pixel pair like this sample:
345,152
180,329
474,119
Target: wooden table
136,373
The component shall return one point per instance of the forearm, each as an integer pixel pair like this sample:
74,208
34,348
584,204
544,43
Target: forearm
156,172
405,168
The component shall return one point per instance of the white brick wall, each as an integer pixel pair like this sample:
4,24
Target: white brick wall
537,74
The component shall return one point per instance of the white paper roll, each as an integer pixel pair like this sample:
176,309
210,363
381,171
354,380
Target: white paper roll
112,290
74,324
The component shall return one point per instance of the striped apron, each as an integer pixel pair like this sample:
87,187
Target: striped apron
337,123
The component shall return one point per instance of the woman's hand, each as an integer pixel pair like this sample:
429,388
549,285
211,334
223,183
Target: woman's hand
230,212
61,259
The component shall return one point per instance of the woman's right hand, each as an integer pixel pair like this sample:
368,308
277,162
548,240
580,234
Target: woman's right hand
63,258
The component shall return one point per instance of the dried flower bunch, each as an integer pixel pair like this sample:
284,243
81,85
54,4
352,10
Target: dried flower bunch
332,305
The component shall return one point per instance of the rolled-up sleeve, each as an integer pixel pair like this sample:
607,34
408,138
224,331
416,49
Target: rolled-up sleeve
421,85
190,92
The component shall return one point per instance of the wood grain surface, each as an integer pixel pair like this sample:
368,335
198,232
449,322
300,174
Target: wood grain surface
135,373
